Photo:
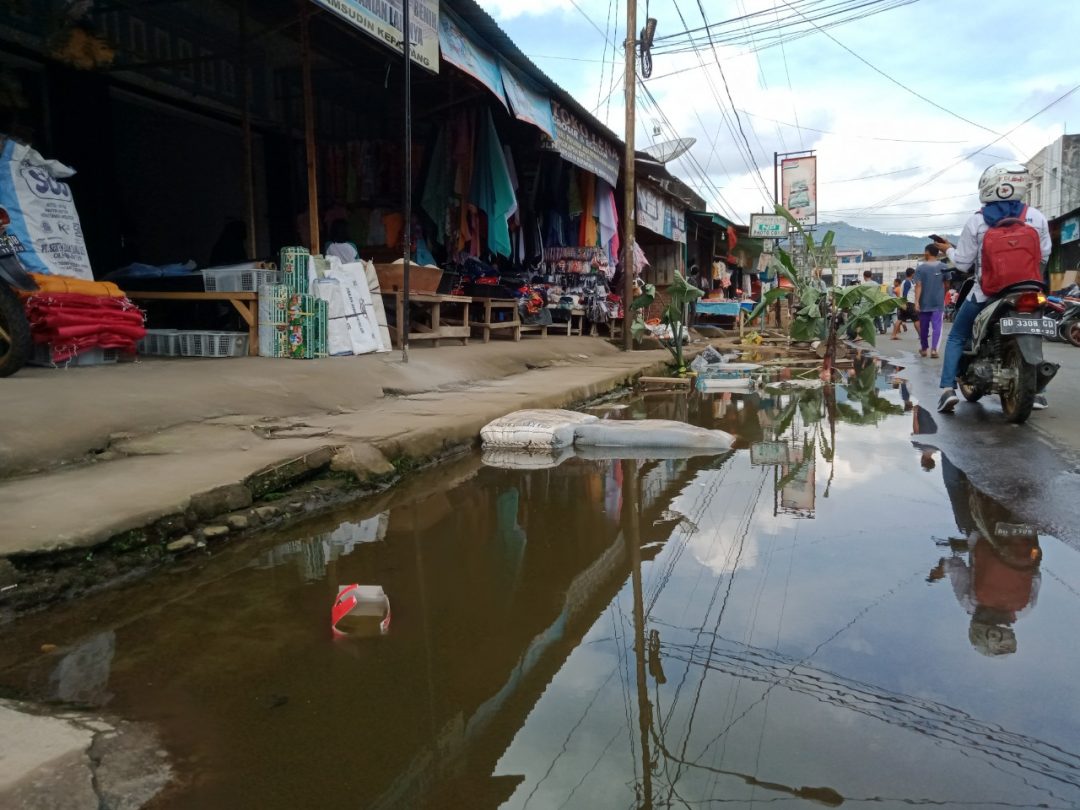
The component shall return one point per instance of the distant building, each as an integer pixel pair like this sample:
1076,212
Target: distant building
1055,177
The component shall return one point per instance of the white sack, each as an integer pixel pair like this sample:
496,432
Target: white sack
534,429
650,433
42,212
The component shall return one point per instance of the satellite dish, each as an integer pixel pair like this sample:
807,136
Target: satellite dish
669,150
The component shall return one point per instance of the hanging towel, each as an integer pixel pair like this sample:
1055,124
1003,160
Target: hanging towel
587,235
608,217
492,190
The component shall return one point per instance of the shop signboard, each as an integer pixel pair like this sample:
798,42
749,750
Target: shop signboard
660,214
526,104
1070,230
799,188
463,53
581,146
768,226
768,454
382,20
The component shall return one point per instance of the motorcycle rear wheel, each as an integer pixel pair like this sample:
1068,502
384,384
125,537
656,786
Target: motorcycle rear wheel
1070,330
15,342
1017,402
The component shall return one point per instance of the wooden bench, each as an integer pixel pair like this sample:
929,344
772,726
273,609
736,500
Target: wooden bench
246,303
445,321
573,325
488,309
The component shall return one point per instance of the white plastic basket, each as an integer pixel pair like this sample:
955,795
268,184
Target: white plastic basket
237,279
213,344
160,343
96,356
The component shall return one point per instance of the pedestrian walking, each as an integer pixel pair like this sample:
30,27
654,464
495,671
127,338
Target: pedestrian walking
930,299
907,314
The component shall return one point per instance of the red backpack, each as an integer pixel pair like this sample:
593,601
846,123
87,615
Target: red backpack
1011,255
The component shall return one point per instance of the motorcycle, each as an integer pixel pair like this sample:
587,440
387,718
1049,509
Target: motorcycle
1005,356
1065,309
15,342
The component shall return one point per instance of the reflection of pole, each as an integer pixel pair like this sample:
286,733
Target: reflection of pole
629,202
631,533
406,39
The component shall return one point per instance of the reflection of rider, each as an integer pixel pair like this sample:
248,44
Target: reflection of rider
998,582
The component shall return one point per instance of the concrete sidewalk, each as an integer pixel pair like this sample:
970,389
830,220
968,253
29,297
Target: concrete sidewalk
101,451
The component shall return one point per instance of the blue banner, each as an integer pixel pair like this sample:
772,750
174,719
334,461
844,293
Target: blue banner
526,104
461,52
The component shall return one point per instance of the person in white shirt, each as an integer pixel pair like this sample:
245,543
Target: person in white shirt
1002,189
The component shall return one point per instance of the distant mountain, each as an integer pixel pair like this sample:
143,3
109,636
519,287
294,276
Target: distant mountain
848,237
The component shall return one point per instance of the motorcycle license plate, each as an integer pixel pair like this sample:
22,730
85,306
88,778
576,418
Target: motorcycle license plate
1028,326
10,245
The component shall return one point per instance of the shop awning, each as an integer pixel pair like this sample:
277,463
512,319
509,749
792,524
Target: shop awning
714,219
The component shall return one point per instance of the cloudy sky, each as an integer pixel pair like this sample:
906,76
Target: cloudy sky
888,159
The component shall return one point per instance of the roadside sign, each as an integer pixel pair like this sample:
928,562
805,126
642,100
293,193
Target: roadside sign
768,226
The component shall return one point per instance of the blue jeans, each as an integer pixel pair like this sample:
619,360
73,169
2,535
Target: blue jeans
962,327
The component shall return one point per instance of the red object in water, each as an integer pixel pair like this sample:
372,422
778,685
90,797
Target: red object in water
360,602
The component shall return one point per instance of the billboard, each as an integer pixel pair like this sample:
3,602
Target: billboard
768,226
798,185
382,20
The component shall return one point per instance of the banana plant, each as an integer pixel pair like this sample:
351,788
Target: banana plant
819,309
681,295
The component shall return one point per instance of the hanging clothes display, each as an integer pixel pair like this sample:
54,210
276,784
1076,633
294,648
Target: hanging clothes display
492,190
608,217
588,234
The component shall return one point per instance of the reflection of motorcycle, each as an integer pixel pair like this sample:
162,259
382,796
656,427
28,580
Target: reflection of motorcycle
1005,356
998,579
1066,312
15,344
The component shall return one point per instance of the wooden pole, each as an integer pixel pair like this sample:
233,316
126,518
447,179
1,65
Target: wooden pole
249,157
629,200
309,130
406,225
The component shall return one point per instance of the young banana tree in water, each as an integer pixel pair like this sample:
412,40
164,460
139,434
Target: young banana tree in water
681,294
819,310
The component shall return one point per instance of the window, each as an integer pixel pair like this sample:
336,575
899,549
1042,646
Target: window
206,70
162,45
185,51
137,30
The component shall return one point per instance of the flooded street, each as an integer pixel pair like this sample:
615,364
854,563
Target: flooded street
828,614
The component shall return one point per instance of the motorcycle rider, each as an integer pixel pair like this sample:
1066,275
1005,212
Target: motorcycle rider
1002,189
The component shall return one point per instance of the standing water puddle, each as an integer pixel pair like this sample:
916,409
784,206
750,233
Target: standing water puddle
828,614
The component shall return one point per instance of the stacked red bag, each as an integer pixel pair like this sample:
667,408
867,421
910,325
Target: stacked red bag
72,322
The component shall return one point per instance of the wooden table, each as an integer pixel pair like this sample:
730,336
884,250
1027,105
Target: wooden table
246,303
441,324
490,309
573,325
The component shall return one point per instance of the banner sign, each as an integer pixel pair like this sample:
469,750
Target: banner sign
1070,230
581,146
526,104
799,188
660,214
462,52
382,20
768,226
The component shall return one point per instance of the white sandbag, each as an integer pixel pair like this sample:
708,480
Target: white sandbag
534,429
42,212
650,433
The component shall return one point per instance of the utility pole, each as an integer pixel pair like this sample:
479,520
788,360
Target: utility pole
629,199
406,38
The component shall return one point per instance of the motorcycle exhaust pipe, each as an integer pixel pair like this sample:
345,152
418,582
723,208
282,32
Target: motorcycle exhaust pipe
1045,373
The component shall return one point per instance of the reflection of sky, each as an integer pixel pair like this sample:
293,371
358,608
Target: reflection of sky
821,656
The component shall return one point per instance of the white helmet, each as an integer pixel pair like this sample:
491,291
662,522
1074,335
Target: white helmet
1004,181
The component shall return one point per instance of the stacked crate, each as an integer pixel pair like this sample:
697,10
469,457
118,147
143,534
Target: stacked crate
291,325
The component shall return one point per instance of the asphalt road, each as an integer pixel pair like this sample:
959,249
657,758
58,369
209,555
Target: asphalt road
1033,468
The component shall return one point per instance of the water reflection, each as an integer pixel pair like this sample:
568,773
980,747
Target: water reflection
605,633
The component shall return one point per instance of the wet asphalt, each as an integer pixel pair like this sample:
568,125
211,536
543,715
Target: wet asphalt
1034,468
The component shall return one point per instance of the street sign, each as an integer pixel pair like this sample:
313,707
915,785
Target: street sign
768,226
